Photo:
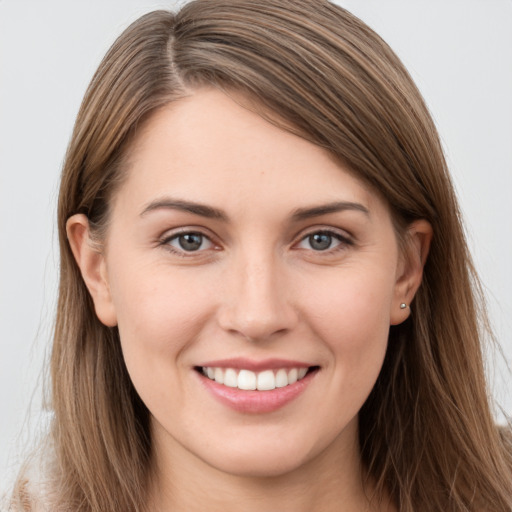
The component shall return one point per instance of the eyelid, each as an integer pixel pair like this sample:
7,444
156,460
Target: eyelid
172,234
342,234
344,238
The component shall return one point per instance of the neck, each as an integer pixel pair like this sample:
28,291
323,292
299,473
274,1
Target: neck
334,478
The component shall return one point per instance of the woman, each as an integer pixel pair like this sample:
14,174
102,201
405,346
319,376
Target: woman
266,299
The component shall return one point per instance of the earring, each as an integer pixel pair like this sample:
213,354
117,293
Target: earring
403,305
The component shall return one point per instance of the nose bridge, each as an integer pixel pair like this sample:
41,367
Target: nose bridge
257,303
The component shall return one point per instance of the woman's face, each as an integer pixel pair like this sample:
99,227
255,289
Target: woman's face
241,256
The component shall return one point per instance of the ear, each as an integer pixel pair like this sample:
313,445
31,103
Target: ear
410,269
92,264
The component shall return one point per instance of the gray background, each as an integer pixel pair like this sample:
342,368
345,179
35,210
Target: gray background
458,51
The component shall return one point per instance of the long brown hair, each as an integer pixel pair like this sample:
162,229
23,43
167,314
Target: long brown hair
426,432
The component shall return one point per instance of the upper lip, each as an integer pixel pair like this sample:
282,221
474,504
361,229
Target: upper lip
240,363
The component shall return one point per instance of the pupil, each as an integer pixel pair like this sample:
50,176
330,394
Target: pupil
320,241
191,241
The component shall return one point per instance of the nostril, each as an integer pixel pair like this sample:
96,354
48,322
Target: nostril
257,313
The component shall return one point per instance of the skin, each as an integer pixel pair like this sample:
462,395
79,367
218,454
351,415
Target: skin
256,288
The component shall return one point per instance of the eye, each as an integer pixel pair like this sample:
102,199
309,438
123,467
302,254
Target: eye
189,242
323,241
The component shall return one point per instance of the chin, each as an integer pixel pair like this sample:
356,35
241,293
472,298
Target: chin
260,464
269,456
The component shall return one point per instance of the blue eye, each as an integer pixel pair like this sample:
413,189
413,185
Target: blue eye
322,241
189,242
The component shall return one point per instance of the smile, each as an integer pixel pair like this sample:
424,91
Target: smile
255,387
248,380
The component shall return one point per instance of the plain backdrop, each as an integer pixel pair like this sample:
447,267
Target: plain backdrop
458,51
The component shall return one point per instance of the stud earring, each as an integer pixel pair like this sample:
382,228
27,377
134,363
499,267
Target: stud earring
403,305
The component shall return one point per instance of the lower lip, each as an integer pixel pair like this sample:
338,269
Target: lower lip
256,402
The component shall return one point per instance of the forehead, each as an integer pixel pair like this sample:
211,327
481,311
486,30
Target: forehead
208,147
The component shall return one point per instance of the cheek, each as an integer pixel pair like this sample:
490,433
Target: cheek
159,315
353,318
353,306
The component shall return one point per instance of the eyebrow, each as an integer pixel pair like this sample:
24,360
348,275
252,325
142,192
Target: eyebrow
185,206
210,212
324,209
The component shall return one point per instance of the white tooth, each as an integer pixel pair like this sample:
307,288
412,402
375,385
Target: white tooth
292,376
266,380
210,372
302,373
230,378
281,378
219,375
246,380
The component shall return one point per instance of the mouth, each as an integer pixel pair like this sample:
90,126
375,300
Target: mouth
248,380
255,388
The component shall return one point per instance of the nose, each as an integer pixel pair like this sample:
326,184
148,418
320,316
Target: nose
257,303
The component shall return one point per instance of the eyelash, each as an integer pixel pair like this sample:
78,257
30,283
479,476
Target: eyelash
344,242
166,242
